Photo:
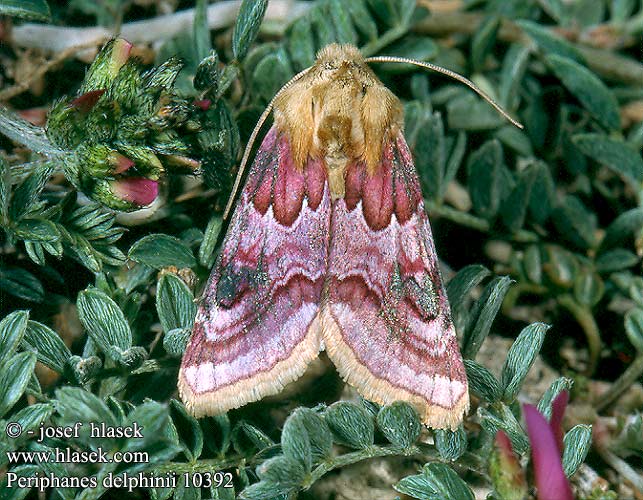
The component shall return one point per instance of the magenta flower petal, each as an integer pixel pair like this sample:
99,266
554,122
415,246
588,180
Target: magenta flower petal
556,421
204,104
551,482
136,190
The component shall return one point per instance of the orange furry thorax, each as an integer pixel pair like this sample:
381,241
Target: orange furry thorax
338,111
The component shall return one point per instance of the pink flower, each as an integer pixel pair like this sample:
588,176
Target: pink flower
546,446
139,191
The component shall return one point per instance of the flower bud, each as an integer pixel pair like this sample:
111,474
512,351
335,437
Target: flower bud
136,190
107,64
507,476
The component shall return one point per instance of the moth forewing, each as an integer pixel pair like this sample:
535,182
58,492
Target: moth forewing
329,246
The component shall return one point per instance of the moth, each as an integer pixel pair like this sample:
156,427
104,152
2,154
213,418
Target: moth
329,247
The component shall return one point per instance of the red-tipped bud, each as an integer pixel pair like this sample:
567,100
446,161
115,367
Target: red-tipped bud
120,54
85,102
120,163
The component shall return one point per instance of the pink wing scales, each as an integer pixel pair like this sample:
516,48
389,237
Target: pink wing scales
386,323
257,327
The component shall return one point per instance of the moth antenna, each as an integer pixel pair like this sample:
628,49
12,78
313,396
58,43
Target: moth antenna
253,136
452,74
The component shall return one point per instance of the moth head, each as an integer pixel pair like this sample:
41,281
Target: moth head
339,109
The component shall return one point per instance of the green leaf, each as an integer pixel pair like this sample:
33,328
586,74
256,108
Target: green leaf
270,74
588,288
483,314
25,196
500,416
188,429
426,139
485,178
36,230
14,492
174,303
576,445
286,472
520,357
301,44
483,41
615,154
592,93
559,385
351,424
104,322
32,10
12,329
469,112
32,416
306,425
50,350
342,23
634,327
625,227
400,424
78,405
482,382
363,20
514,208
462,283
247,26
208,245
576,222
161,250
175,341
616,260
295,443
15,373
201,30
244,434
549,42
436,482
21,284
451,444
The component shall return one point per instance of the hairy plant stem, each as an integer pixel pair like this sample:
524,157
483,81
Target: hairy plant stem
373,451
625,381
206,465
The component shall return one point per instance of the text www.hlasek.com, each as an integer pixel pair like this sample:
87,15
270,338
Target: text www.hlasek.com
67,455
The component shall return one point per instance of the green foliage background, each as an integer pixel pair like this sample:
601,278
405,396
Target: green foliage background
562,199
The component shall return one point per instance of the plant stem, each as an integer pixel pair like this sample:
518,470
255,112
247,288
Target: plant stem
461,218
585,319
622,467
23,132
354,457
208,465
631,375
220,15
